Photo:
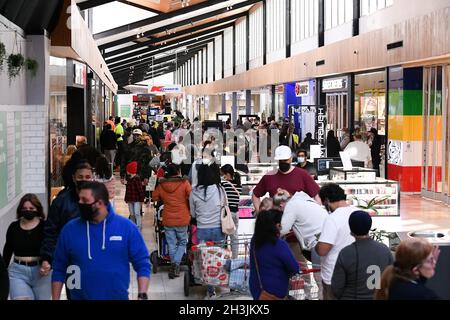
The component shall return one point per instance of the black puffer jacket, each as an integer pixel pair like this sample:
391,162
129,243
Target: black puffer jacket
140,152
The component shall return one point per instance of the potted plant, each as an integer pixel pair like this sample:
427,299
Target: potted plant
32,66
369,205
2,55
15,64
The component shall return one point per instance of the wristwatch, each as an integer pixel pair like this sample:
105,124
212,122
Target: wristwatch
142,296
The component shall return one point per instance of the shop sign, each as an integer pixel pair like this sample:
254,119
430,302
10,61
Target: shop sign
79,73
279,88
321,125
165,89
334,84
302,89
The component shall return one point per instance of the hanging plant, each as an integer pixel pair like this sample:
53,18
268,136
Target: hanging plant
15,64
32,66
2,55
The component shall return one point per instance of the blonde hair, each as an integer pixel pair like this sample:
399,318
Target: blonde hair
409,254
71,149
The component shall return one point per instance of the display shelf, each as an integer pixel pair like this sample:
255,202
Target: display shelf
355,174
385,192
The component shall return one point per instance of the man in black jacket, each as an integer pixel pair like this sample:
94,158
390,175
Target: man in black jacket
108,142
375,150
63,209
136,151
4,280
87,152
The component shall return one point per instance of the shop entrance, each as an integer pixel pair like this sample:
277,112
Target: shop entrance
436,134
337,112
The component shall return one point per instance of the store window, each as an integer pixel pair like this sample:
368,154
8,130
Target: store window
370,101
58,119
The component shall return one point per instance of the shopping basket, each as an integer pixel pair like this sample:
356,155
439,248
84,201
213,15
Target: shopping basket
303,285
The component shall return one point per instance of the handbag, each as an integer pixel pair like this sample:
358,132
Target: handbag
228,226
264,295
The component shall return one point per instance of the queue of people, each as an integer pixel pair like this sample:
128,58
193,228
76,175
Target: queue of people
83,236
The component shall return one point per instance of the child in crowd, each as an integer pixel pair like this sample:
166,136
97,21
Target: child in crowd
134,193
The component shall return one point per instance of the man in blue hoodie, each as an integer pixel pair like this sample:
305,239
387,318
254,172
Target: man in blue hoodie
94,252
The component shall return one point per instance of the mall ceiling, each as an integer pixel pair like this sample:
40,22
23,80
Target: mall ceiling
157,45
33,16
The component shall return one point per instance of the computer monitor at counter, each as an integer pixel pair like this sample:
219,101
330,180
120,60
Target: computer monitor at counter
323,165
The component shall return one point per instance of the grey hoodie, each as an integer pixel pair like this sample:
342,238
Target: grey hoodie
206,209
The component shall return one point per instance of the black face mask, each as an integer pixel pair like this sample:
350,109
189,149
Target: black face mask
284,166
88,213
79,184
28,214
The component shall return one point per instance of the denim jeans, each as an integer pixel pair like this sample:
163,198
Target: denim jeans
177,238
210,234
135,211
27,283
234,236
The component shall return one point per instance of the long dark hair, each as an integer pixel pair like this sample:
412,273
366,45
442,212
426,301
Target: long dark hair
208,175
33,199
228,169
103,168
266,230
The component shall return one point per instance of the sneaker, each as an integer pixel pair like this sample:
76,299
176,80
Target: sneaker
172,271
211,296
177,270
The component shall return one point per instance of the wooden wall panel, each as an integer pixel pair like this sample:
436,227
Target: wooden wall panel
424,38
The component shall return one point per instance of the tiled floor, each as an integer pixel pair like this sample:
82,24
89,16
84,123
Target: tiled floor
416,214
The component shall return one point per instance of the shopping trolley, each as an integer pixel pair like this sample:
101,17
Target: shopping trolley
303,282
211,264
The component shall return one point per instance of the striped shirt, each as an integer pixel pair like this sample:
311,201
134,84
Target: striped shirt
232,195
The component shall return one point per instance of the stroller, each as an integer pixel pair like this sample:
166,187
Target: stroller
161,257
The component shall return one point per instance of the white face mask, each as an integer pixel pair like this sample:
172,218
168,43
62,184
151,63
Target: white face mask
301,159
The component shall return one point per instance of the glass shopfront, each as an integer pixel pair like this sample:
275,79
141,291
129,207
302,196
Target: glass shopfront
335,92
57,119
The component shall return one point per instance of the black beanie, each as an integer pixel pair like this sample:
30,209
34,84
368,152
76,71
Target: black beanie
360,223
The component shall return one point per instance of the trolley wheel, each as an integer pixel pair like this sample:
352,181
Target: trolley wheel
187,283
155,261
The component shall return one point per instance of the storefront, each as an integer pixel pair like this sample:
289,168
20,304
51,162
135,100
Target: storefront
334,93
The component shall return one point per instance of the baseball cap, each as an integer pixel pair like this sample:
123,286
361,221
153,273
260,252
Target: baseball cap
283,153
137,131
360,223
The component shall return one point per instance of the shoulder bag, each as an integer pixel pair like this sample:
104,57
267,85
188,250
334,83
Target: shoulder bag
264,295
228,226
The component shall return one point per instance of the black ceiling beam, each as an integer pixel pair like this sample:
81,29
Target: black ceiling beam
92,3
154,61
161,39
173,44
125,74
153,53
179,23
151,20
140,6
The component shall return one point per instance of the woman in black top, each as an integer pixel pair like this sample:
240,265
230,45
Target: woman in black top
231,182
415,261
23,240
333,145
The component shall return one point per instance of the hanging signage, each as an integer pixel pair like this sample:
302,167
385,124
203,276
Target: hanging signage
335,84
165,89
279,88
79,71
302,89
321,125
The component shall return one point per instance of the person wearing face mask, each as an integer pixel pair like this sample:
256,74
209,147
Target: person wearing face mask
335,234
63,209
101,244
303,163
23,240
289,178
415,263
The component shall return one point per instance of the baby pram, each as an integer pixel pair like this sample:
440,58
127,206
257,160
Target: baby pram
160,257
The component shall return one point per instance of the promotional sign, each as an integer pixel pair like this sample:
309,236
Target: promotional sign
79,73
302,89
321,127
165,89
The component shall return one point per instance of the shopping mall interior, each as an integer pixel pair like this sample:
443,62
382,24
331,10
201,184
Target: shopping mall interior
305,73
